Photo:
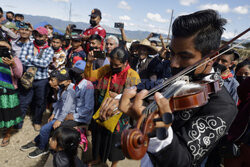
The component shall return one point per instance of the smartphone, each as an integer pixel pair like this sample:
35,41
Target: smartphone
119,25
99,54
155,35
4,52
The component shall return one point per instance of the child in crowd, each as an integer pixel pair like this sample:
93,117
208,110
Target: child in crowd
64,105
64,142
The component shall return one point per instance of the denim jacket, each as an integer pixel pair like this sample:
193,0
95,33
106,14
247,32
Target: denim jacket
65,103
84,102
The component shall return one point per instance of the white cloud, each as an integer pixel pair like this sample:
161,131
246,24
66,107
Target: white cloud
61,0
145,20
188,2
241,10
124,18
168,10
228,35
156,17
222,8
124,5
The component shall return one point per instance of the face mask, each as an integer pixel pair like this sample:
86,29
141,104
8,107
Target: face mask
232,67
55,48
92,48
219,68
92,23
62,86
39,42
116,70
10,20
240,79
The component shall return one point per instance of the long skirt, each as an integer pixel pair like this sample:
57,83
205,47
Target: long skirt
10,112
105,144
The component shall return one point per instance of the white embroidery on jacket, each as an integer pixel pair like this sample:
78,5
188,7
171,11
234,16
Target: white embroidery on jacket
204,133
186,114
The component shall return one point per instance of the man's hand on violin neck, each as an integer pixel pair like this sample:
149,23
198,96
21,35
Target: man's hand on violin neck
134,108
163,107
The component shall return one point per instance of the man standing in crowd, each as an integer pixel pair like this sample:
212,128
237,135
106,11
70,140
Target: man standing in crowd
10,16
76,50
95,45
140,64
1,15
24,32
95,28
195,132
224,62
59,57
111,43
36,54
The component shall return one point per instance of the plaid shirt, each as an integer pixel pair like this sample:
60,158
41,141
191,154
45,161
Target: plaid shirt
28,59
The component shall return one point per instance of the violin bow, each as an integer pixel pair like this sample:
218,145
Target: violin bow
196,65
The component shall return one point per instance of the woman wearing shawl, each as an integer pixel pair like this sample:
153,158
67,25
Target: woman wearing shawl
10,71
112,78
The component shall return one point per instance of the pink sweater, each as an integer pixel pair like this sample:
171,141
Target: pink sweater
17,71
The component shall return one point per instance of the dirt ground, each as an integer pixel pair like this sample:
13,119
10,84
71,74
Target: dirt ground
12,156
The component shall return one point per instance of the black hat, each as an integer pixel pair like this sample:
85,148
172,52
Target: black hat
62,75
95,13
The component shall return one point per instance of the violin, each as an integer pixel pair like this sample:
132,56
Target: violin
182,96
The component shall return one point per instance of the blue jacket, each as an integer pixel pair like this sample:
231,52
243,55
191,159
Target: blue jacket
65,103
84,102
231,85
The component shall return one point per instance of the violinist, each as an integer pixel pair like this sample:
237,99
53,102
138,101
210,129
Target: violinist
194,132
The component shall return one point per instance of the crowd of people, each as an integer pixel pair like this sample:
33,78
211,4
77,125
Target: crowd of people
94,85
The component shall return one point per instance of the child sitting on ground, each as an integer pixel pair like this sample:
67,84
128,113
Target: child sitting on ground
64,142
65,104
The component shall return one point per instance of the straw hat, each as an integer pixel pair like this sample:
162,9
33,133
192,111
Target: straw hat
146,43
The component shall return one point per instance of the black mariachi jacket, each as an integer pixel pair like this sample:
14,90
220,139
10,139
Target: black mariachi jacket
197,131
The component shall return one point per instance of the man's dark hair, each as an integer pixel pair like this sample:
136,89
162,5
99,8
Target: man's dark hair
19,15
206,25
230,52
10,12
153,41
60,37
242,64
1,10
120,54
95,37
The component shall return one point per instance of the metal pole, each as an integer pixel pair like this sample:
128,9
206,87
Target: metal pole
170,24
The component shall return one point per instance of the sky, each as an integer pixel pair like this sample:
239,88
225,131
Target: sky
149,15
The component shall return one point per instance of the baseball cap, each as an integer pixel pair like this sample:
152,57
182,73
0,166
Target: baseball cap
79,67
76,34
41,30
62,75
95,13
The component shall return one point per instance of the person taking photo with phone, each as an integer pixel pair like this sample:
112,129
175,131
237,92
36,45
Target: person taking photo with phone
11,70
